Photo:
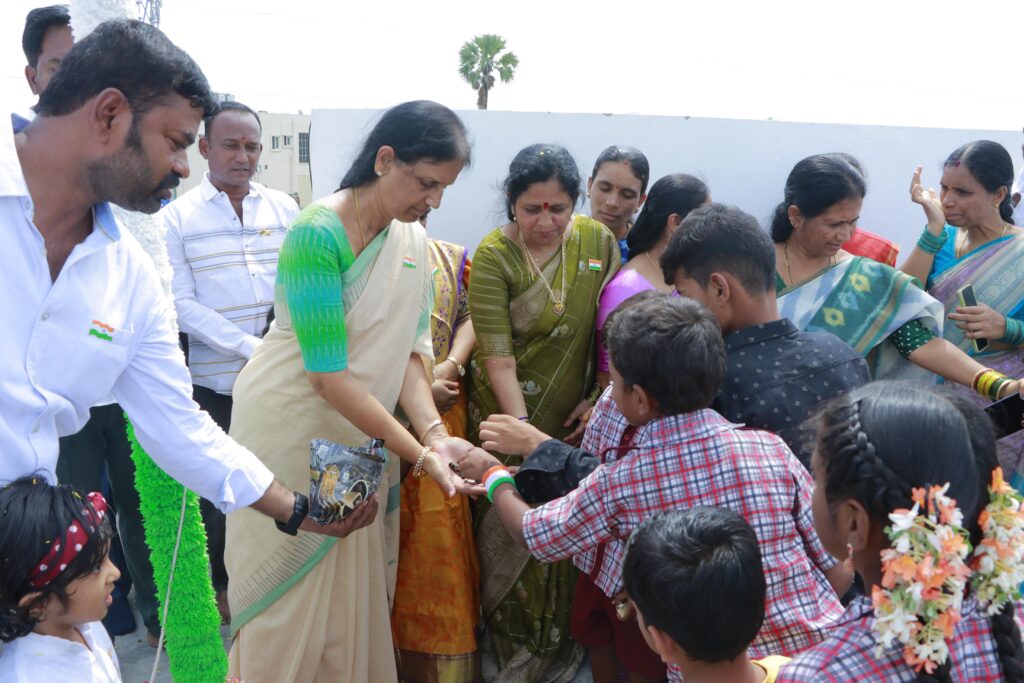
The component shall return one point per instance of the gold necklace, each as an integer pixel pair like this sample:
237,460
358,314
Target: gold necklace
359,219
654,263
785,254
963,242
557,302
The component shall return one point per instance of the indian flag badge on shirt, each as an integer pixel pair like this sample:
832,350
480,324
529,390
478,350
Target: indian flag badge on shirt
595,264
409,262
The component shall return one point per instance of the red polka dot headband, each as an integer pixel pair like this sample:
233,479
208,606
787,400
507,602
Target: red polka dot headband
66,548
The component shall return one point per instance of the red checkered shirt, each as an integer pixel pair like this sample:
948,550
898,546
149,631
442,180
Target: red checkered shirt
698,458
849,652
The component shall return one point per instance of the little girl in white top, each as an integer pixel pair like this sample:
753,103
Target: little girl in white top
55,585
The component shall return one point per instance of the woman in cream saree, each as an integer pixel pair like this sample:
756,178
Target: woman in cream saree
350,343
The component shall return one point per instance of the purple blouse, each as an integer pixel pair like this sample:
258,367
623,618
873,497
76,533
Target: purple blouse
625,284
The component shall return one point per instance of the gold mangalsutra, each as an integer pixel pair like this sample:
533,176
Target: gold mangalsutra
961,243
557,302
359,219
789,274
653,262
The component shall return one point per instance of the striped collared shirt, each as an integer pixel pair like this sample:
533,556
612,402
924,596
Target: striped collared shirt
224,272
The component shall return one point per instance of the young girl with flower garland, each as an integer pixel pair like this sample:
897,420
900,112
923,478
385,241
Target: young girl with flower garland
898,469
55,584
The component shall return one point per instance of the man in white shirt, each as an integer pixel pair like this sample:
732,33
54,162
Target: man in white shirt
84,314
98,457
223,238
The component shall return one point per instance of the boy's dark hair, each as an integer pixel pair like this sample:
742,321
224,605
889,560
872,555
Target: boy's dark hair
37,23
418,130
645,295
696,575
133,57
33,514
721,238
673,348
227,106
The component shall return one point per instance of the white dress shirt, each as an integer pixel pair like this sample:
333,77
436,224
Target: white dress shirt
35,658
224,272
103,328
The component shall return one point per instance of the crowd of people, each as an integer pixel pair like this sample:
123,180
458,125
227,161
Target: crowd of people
658,438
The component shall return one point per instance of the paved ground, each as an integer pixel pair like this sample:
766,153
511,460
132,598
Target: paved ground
136,657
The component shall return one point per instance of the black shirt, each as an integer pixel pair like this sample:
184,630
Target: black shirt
776,376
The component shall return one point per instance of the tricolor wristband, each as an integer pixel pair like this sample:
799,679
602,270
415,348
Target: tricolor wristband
495,478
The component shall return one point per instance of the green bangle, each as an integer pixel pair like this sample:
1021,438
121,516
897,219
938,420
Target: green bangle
997,387
496,483
931,244
1014,335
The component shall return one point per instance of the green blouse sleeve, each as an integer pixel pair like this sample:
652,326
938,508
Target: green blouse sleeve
911,336
489,305
313,257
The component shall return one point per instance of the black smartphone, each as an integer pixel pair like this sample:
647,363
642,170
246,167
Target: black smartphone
967,298
1006,415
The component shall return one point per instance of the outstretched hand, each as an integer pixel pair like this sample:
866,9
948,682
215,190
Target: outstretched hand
506,434
474,463
930,202
362,516
449,451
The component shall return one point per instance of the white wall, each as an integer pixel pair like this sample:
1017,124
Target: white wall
744,162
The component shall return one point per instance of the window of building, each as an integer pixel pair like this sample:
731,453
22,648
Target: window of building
275,142
303,148
287,140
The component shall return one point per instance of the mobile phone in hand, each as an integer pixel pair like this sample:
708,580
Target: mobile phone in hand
1006,415
967,298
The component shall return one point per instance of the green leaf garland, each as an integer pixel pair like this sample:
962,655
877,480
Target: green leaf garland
192,629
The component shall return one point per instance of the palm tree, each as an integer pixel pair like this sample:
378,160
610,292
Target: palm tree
478,59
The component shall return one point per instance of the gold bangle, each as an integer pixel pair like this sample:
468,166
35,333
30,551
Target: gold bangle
417,470
429,427
977,376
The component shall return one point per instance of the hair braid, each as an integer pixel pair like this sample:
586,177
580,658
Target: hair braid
855,469
1008,644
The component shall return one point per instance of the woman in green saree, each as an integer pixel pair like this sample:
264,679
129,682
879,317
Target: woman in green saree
879,311
533,294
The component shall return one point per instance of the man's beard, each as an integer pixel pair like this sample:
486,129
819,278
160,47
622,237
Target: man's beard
125,178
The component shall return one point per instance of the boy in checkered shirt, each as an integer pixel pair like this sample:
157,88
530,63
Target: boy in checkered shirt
696,581
664,449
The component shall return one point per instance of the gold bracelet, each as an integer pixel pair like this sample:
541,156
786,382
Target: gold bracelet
429,427
417,470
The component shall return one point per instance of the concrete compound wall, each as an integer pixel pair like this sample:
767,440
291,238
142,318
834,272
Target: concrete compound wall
744,162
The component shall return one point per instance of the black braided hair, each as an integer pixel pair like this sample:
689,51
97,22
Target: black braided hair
882,440
1004,627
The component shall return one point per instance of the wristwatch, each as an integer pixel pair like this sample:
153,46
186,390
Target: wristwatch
461,368
291,527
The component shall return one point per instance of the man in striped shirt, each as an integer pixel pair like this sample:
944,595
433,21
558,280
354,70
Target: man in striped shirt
223,239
